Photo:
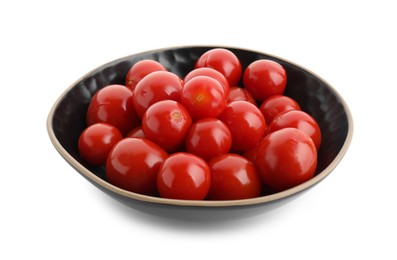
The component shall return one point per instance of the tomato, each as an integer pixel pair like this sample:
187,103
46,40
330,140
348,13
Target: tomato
264,78
113,105
184,176
276,104
286,158
245,122
133,164
224,61
297,119
96,141
167,123
139,70
208,138
238,94
233,177
209,72
203,97
159,85
136,132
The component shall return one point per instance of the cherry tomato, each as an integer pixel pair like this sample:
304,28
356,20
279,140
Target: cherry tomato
233,177
240,94
245,122
208,138
96,141
265,78
286,158
184,176
276,104
297,119
203,97
209,72
166,123
159,85
113,105
137,132
139,70
133,164
224,61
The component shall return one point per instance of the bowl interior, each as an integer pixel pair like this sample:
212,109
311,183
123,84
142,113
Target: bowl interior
67,118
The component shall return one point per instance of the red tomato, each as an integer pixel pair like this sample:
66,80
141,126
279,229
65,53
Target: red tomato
209,72
159,85
224,61
166,123
265,78
203,97
184,176
286,158
300,120
208,138
139,70
113,105
96,141
137,132
233,177
276,104
245,122
240,94
133,164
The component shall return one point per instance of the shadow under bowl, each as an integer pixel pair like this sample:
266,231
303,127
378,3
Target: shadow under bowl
66,121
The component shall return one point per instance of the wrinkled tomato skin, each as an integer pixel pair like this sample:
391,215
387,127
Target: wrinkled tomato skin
286,158
133,164
184,176
233,177
300,120
113,104
96,141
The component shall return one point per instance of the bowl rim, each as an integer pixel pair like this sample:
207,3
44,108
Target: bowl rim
200,203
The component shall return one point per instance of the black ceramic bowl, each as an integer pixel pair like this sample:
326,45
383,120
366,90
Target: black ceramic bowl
66,119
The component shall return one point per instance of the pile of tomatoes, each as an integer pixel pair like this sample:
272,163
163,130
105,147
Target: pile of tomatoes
203,136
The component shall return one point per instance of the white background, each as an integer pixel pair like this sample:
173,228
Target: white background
48,211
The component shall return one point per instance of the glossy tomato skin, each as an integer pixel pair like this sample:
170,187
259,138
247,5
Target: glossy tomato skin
137,132
264,78
159,85
96,141
113,105
240,94
300,120
233,177
224,61
246,124
276,104
184,176
286,158
141,69
133,164
212,73
208,138
203,97
167,123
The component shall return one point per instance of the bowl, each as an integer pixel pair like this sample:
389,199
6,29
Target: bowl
66,119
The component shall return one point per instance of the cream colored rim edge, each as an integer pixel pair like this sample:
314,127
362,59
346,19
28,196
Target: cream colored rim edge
203,203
